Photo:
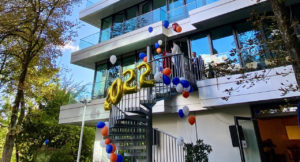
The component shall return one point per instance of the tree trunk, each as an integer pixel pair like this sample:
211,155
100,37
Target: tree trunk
11,134
289,36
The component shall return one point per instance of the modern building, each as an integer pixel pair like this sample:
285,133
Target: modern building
249,126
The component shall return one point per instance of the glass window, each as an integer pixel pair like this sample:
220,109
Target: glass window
200,45
118,24
223,43
176,10
175,4
99,85
113,72
159,4
145,17
250,47
106,29
159,10
191,4
128,62
131,19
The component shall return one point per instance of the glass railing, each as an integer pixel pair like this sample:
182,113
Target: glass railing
91,2
80,93
154,16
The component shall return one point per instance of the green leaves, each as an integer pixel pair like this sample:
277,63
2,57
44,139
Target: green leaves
198,152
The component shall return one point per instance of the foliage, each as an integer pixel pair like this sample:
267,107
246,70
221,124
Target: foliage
198,152
42,123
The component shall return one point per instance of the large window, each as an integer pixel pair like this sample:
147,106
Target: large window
118,24
106,29
131,19
113,72
200,45
100,78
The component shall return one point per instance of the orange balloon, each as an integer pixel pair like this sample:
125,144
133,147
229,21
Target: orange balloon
104,131
192,119
107,141
113,157
158,50
167,71
114,147
178,29
145,59
185,94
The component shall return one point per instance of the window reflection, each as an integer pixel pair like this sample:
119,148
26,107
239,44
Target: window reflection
100,79
106,29
113,73
131,19
118,24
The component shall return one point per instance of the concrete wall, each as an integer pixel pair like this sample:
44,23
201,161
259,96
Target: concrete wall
212,127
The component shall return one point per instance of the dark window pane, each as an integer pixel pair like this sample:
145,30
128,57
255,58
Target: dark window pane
99,85
118,24
159,4
223,44
131,19
128,62
113,72
106,29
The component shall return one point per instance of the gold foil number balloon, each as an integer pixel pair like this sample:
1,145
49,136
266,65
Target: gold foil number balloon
143,78
107,103
127,89
116,91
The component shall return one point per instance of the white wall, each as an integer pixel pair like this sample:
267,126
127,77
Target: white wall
99,154
212,127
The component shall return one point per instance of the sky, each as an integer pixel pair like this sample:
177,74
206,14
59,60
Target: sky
77,73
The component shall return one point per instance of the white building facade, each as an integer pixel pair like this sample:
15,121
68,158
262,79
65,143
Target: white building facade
249,126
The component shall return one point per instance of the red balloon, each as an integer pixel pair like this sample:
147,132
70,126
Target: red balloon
178,29
104,131
192,119
114,147
145,59
174,26
107,141
167,71
113,157
185,94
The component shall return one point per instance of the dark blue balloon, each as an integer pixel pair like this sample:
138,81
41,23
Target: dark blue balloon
109,148
46,141
142,55
166,80
175,80
100,124
150,29
160,68
191,89
156,45
180,113
166,23
185,83
119,158
298,114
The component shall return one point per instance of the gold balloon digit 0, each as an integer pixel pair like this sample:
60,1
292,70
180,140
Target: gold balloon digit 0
127,89
143,78
116,91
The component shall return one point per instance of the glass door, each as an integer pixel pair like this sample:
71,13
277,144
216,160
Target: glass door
248,144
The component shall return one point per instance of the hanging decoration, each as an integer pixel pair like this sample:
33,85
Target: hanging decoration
145,59
179,88
160,42
107,141
185,94
109,148
180,113
185,110
142,55
47,142
158,77
192,119
156,45
167,71
158,50
104,131
127,88
180,141
166,80
150,29
120,158
113,157
187,89
114,147
166,24
175,80
174,26
178,29
144,82
185,83
113,59
107,124
102,143
191,89
100,124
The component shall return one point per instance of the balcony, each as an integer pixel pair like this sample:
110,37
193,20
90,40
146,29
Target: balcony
89,3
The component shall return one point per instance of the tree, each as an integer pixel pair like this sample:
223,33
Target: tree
198,152
30,32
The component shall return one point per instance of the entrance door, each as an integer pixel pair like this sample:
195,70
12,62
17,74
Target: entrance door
248,145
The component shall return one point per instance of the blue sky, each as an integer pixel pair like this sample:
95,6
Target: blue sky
78,74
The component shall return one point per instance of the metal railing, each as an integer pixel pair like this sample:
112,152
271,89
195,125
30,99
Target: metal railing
165,148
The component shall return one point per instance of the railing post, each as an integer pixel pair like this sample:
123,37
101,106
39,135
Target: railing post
182,66
149,124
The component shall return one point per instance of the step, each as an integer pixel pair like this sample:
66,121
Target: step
131,147
138,154
128,140
137,110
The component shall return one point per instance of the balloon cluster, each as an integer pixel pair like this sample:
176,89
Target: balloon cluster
180,141
143,56
157,46
183,86
109,146
185,112
177,28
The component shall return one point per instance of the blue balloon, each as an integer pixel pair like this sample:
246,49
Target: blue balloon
160,68
180,113
298,114
150,29
191,89
166,23
100,124
175,80
185,83
156,45
166,80
119,158
109,148
46,141
142,55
